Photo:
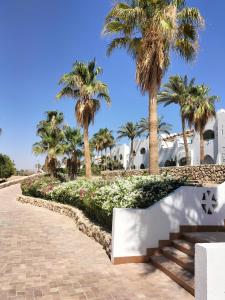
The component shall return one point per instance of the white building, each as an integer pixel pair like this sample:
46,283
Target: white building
171,148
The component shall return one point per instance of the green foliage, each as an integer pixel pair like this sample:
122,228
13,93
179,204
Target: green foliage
39,187
7,167
97,198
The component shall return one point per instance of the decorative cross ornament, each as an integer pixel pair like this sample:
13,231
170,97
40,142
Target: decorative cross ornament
209,202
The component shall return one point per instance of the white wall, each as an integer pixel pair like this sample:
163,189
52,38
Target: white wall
221,136
135,230
123,150
210,271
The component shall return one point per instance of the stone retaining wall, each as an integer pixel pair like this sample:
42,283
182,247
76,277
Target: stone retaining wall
201,174
83,223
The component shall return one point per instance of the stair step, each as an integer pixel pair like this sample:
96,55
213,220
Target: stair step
202,228
184,246
182,277
204,237
182,259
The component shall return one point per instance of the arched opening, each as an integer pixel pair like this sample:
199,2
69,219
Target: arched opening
183,161
208,160
142,166
121,156
208,135
142,151
114,157
170,163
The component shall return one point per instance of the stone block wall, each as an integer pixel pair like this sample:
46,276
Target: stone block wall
200,174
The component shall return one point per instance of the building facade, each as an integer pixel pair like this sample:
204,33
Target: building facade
171,148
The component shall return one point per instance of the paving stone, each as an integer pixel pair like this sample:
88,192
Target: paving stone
44,256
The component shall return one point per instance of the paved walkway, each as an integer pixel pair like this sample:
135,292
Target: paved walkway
44,256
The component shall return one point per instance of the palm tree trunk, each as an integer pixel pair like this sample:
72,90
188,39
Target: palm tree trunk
131,162
185,140
153,135
87,155
202,150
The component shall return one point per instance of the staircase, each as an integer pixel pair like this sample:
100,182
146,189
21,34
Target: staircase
175,257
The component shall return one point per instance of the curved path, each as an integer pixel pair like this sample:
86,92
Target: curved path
44,256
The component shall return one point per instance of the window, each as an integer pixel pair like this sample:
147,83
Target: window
170,163
134,153
183,161
142,151
208,160
142,166
114,157
208,135
121,156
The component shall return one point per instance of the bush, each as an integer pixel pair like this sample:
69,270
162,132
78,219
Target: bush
7,167
97,198
39,187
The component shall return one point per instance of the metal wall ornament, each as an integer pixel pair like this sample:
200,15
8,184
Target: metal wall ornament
209,202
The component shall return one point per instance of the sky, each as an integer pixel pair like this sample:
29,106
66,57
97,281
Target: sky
41,39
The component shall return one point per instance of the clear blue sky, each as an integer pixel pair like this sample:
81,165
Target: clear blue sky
39,41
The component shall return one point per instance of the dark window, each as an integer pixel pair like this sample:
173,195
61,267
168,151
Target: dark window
142,151
142,166
183,161
208,160
208,135
114,157
170,163
134,153
121,156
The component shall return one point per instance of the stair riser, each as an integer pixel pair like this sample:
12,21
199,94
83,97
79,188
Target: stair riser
193,240
174,277
188,267
202,228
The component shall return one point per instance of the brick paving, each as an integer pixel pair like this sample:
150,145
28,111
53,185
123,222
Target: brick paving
44,256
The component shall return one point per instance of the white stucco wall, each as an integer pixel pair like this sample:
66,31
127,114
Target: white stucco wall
135,230
221,136
119,150
210,271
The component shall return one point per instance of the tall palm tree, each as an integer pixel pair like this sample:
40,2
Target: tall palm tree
82,85
178,91
73,142
163,127
199,111
149,30
130,131
51,134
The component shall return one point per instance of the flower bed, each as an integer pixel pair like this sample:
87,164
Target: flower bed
97,198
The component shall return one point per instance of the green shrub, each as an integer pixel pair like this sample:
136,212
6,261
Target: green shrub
7,167
39,187
97,198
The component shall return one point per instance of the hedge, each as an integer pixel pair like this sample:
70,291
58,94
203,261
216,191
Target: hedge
98,197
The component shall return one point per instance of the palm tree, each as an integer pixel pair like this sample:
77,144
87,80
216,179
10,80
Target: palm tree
51,133
163,127
178,91
198,111
73,142
82,85
149,30
102,140
129,130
